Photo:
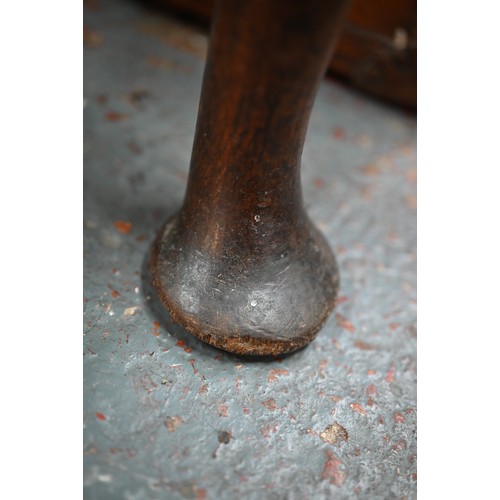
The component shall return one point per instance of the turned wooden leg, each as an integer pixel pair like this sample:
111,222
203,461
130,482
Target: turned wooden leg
241,266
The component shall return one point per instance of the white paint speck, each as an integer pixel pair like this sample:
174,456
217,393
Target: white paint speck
104,478
253,303
136,289
130,311
257,218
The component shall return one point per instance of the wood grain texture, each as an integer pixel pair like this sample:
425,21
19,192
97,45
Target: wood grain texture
241,266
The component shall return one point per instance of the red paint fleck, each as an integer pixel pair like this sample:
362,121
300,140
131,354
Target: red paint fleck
380,420
270,404
113,116
278,360
188,349
336,399
371,372
359,344
400,445
414,476
180,343
371,390
370,402
339,133
341,300
370,170
246,410
223,410
171,423
266,432
201,494
358,408
344,323
273,375
123,226
243,479
130,453
115,294
399,419
394,326
319,183
100,416
390,374
332,471
195,371
156,331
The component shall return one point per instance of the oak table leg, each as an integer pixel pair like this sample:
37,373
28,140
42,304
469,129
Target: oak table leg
241,266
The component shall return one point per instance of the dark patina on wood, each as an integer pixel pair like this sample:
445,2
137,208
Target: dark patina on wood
241,266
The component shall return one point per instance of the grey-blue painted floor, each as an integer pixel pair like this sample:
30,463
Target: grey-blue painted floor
168,417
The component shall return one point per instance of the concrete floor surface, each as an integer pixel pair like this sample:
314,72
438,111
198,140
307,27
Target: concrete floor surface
167,417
